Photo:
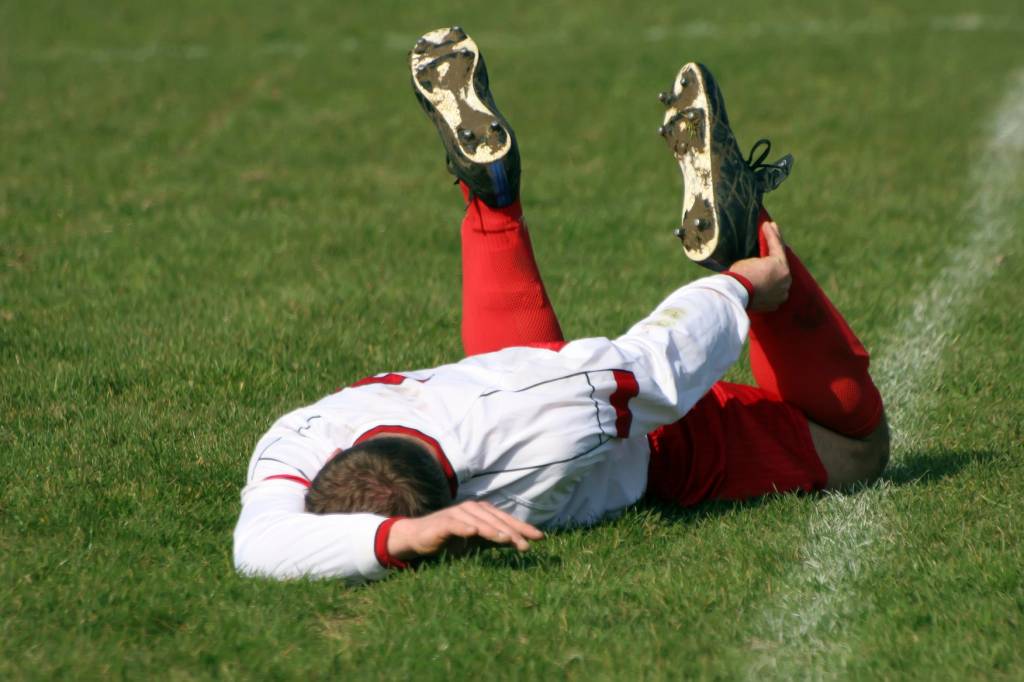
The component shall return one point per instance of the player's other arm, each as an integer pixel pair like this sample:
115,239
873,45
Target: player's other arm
276,538
694,336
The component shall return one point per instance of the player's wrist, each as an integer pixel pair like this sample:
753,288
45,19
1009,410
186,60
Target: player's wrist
745,283
393,545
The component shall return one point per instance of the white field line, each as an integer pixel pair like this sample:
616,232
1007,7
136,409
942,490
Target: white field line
913,353
800,633
393,41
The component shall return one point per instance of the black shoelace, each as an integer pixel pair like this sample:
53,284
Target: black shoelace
758,163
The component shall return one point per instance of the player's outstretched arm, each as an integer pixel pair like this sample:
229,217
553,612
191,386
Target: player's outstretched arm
692,338
449,528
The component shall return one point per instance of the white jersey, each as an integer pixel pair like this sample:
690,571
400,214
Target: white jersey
553,438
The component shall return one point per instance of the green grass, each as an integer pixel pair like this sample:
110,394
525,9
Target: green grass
214,212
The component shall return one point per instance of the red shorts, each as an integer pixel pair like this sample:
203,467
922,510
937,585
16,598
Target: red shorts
736,443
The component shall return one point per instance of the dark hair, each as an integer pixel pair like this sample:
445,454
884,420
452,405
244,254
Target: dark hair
387,476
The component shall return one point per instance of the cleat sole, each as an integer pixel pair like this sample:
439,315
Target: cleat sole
443,64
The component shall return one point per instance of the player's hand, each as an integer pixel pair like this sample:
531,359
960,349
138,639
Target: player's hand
457,528
769,275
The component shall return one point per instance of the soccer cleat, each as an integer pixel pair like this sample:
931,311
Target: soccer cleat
450,81
721,190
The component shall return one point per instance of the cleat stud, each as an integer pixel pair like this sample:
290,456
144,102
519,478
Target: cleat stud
457,29
466,134
665,97
495,126
678,232
690,115
700,223
466,52
684,81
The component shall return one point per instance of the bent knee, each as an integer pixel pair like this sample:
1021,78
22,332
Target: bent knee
852,461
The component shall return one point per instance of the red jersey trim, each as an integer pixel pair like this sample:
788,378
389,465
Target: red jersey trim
442,459
626,388
380,545
289,477
390,378
548,345
745,282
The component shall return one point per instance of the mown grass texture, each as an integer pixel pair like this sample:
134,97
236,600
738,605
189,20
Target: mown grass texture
214,212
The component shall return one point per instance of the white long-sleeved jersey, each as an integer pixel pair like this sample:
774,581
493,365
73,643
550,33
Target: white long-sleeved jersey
553,438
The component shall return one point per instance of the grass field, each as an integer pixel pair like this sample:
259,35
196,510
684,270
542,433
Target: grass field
213,212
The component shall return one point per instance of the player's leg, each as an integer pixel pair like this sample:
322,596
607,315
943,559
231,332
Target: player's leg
736,443
740,442
803,354
806,354
504,302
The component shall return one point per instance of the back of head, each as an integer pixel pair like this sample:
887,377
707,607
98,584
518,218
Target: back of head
387,476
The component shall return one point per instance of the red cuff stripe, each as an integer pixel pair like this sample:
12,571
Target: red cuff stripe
442,459
380,545
289,477
626,387
745,282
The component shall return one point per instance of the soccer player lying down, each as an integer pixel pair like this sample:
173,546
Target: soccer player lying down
532,432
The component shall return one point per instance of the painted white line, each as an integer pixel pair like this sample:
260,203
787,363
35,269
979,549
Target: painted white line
800,633
914,351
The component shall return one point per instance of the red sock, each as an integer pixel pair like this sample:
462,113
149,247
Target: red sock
504,302
806,353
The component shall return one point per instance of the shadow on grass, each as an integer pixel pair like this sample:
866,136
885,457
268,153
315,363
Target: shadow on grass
915,468
501,558
675,514
506,559
929,466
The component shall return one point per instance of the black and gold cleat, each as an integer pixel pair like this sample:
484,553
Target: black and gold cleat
450,80
722,191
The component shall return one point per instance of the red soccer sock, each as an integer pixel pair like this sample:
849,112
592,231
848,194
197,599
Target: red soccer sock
504,302
806,353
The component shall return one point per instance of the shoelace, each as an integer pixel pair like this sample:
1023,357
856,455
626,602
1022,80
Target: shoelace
758,163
